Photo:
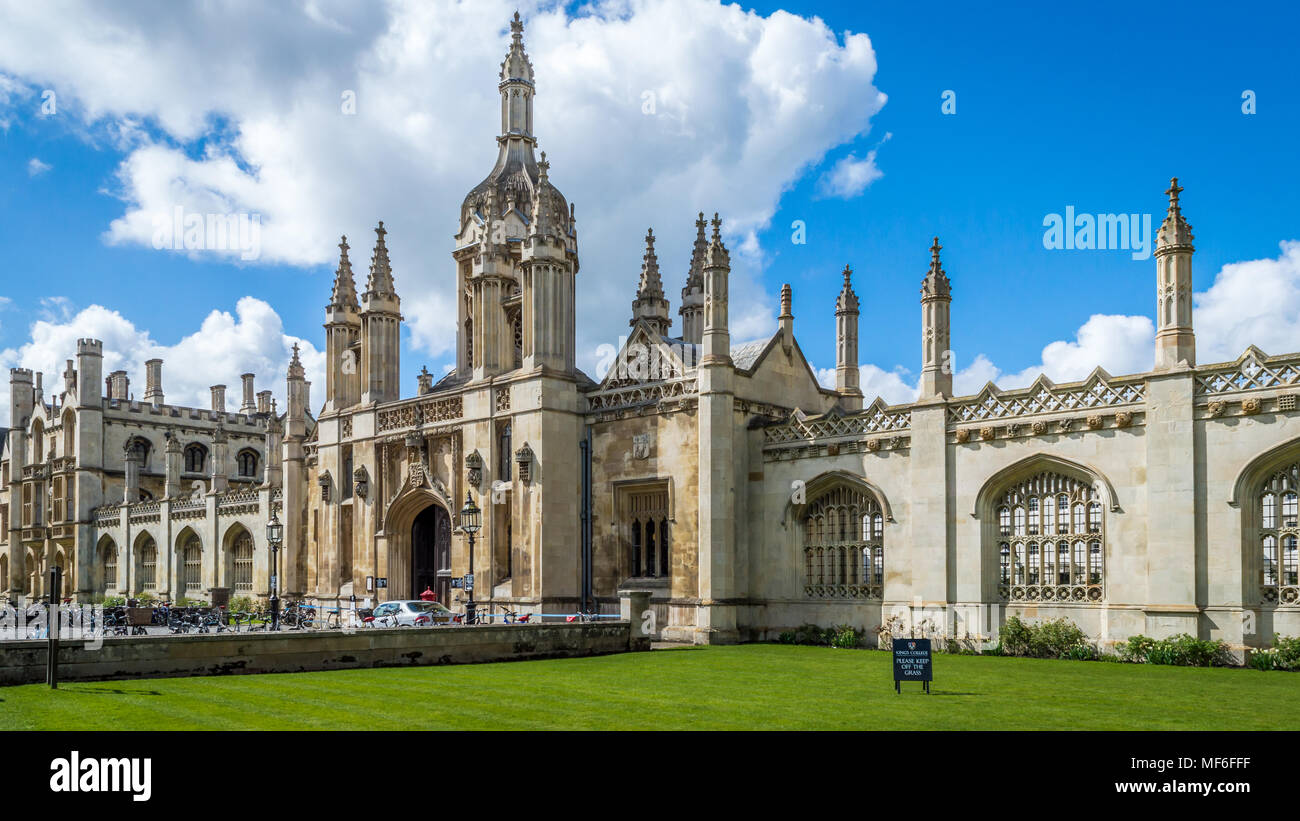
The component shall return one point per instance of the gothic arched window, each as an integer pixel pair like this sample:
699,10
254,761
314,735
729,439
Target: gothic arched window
242,562
1279,537
196,458
1060,555
246,463
844,545
148,576
192,565
108,567
69,434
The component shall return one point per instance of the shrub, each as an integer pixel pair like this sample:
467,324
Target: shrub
845,637
1055,639
786,637
1181,650
1287,651
1081,652
1283,655
240,604
1263,659
1016,637
1136,648
114,601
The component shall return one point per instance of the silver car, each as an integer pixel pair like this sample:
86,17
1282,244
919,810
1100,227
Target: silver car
414,613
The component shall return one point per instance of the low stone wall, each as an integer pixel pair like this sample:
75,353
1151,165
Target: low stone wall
24,662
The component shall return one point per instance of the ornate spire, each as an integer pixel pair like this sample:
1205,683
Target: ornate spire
695,275
935,285
380,281
650,286
295,365
516,66
847,301
345,288
650,304
517,83
717,253
1174,231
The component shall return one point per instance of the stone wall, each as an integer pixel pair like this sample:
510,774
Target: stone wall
23,662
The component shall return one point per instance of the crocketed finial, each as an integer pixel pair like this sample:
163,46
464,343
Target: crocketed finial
1173,191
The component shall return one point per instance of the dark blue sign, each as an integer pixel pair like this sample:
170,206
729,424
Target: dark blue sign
912,662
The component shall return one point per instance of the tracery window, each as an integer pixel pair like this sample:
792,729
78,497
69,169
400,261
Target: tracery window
192,569
844,545
196,457
649,539
247,463
1279,537
108,567
1055,550
242,551
58,507
148,564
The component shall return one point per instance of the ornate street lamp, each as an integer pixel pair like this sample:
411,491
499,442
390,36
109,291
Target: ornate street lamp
470,523
274,536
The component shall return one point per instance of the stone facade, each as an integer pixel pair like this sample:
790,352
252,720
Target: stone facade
719,478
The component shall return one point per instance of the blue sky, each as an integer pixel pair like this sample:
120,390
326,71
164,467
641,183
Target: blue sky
1096,109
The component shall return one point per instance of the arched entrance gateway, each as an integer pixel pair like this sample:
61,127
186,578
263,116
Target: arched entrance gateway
431,553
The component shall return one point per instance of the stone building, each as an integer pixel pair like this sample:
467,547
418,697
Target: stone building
723,478
130,495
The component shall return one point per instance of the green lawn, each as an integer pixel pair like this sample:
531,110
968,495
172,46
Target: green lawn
724,688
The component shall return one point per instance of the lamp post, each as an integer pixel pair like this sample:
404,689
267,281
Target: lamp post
470,523
274,535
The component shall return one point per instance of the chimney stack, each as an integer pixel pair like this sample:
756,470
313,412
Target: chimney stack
218,398
249,404
118,385
264,402
153,392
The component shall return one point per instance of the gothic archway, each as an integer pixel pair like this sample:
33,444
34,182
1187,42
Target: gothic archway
396,538
431,553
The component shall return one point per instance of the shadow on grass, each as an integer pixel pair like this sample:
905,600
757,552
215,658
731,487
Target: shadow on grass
110,691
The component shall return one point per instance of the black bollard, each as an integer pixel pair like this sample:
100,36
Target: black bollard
52,625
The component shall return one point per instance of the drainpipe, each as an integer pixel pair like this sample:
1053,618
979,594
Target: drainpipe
588,598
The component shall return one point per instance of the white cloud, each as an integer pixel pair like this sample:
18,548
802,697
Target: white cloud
1256,302
35,167
850,176
224,346
895,387
743,105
